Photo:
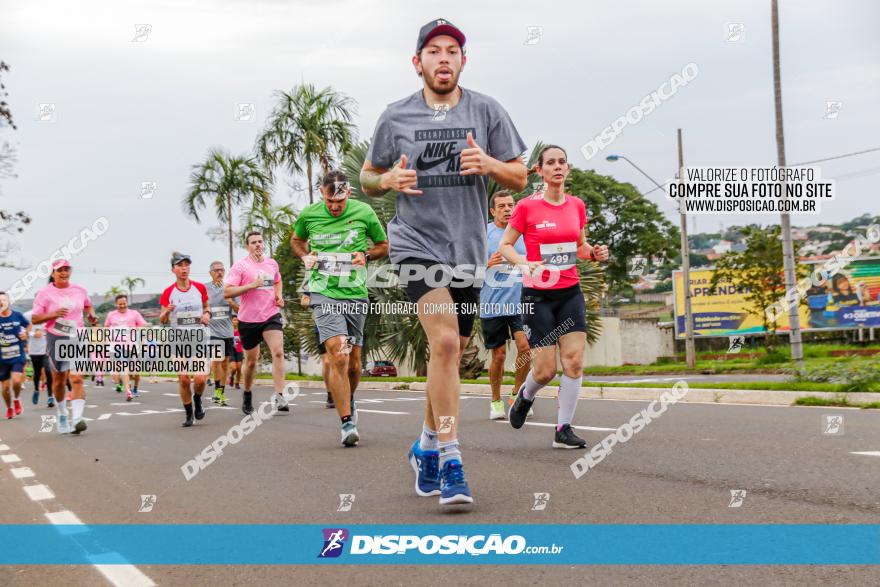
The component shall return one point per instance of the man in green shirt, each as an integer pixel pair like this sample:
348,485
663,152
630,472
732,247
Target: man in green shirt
336,230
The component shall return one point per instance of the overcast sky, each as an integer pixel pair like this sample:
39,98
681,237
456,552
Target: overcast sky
128,112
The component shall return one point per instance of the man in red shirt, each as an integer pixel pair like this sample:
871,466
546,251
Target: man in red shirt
185,305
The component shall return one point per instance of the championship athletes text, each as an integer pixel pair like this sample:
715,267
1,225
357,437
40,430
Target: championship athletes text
139,350
751,190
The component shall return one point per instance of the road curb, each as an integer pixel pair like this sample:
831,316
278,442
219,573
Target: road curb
719,396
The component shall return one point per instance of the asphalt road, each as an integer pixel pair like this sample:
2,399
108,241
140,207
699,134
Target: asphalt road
291,470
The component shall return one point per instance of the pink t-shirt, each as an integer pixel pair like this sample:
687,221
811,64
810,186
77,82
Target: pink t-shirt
128,319
73,297
551,234
257,305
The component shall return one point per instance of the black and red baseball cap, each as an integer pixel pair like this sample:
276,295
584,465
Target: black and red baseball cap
439,27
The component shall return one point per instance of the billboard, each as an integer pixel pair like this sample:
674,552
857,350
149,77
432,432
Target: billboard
851,298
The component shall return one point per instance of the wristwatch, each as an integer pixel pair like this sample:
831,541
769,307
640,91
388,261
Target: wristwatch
366,256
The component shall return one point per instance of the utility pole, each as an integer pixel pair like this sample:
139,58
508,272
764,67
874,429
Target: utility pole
794,319
690,352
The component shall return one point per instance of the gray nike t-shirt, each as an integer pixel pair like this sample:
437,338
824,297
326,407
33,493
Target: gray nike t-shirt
221,313
447,223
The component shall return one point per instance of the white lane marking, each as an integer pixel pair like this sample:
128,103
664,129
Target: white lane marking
168,411
548,424
172,394
104,416
125,576
91,405
63,518
10,458
867,453
38,492
118,575
21,472
381,412
4,447
132,403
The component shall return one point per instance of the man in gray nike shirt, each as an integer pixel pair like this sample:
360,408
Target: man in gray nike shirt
437,150
221,328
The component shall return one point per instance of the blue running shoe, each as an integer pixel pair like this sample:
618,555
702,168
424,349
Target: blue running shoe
36,397
453,486
426,464
50,403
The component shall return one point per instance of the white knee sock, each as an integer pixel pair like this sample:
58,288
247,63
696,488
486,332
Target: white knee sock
79,405
531,387
569,389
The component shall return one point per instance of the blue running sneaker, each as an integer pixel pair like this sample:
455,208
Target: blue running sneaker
453,486
50,403
63,427
36,397
426,464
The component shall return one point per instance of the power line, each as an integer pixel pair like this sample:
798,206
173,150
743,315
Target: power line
837,157
853,154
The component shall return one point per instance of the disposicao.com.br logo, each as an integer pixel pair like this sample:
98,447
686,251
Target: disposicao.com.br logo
431,544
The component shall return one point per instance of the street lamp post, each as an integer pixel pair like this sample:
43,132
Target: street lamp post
690,351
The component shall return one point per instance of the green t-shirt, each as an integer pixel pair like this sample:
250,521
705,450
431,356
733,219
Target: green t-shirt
333,239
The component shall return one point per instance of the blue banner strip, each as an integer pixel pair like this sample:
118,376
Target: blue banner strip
525,544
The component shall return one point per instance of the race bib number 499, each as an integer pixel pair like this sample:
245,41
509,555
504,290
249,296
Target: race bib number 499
559,255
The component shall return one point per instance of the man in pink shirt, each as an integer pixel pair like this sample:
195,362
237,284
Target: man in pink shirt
257,280
123,317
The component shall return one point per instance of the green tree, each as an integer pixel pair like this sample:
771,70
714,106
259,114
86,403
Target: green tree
307,128
229,182
622,218
758,270
114,291
275,222
130,283
11,223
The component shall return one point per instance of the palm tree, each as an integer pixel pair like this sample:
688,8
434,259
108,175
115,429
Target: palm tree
275,222
113,292
307,128
228,181
130,283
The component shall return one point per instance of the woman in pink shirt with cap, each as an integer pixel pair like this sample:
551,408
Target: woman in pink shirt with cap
61,306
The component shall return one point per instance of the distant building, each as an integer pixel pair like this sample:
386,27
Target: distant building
722,247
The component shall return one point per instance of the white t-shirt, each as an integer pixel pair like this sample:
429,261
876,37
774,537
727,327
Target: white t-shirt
37,345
